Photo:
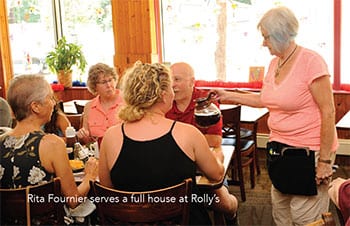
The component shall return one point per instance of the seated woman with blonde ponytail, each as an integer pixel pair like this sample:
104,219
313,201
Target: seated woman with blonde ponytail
148,151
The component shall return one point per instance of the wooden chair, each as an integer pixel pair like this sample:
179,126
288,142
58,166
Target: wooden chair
76,120
250,133
134,207
31,204
327,220
80,108
245,149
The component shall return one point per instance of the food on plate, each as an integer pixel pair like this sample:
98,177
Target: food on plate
76,164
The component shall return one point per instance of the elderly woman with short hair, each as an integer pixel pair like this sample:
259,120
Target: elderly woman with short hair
100,113
28,155
298,93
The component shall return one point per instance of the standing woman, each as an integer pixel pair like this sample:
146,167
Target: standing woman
298,93
101,112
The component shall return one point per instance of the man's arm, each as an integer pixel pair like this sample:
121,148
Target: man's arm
213,140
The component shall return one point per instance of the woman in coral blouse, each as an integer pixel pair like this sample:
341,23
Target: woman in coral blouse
101,112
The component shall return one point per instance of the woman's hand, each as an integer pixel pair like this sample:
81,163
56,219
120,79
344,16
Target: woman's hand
225,97
324,173
91,168
221,95
83,133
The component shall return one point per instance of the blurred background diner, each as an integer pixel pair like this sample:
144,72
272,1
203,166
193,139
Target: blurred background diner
6,114
58,122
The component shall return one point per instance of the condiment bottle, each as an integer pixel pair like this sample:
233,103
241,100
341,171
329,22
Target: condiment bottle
70,141
80,152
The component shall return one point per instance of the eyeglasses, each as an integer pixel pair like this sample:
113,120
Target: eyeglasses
104,82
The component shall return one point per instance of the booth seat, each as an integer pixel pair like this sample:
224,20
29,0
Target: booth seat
228,85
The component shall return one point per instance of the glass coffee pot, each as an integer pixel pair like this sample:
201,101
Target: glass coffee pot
206,113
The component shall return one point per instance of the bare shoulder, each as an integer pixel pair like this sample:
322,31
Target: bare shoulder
113,131
52,141
186,127
186,130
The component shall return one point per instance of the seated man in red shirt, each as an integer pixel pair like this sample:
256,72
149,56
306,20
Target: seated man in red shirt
183,111
184,102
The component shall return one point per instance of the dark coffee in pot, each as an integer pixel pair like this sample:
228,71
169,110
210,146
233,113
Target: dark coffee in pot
206,120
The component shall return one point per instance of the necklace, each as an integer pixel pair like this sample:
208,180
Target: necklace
280,65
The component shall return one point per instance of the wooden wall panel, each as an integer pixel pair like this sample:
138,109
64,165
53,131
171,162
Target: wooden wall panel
134,32
5,53
342,105
74,93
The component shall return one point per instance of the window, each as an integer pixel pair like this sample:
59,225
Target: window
34,26
31,34
89,23
220,38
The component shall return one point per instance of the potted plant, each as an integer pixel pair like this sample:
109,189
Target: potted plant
61,60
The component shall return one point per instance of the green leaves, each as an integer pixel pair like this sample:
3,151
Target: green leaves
65,56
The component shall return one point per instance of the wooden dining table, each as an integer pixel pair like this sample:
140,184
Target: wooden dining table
344,122
69,106
205,184
248,114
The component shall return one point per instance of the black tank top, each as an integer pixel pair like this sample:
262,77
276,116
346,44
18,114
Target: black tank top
151,164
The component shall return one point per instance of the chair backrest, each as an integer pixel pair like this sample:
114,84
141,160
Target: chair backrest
40,203
231,125
80,108
163,206
76,120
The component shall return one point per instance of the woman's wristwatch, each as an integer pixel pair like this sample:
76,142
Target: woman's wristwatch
327,161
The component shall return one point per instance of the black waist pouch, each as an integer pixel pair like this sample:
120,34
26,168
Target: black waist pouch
291,169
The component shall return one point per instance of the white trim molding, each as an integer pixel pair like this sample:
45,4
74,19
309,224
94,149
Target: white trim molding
344,147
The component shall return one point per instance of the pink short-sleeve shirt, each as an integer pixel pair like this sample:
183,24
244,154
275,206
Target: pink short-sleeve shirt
295,118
